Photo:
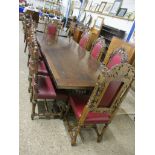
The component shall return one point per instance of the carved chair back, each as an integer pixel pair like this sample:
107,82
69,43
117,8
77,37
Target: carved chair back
99,100
52,29
98,48
72,28
84,39
118,56
118,43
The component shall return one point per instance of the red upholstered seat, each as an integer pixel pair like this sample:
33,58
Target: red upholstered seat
45,88
96,50
78,104
84,40
42,68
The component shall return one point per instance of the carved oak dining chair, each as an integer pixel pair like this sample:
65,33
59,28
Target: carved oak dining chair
71,29
26,27
118,43
43,89
101,106
84,39
51,31
34,46
117,56
41,86
98,48
41,67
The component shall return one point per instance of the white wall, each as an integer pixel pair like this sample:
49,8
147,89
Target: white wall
111,21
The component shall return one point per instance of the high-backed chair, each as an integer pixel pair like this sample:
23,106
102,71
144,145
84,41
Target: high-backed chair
41,67
118,43
43,89
52,31
101,106
84,39
72,27
98,48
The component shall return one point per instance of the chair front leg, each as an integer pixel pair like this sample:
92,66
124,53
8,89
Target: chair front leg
75,134
30,81
28,60
33,110
31,97
100,136
25,47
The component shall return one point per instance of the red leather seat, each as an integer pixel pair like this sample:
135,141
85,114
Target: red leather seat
42,68
78,104
45,88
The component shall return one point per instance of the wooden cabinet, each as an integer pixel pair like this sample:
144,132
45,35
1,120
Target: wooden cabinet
109,32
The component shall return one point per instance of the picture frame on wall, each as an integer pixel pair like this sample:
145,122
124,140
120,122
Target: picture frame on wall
97,8
102,6
87,20
122,12
82,17
107,8
116,6
98,23
93,7
88,5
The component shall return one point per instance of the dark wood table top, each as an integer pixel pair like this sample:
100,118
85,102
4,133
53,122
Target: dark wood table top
71,67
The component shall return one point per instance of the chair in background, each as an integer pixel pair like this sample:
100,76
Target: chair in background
118,56
98,48
72,27
26,27
43,89
41,67
84,39
104,101
51,32
95,31
118,43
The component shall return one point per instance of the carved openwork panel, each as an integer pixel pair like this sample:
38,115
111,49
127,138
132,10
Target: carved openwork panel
124,73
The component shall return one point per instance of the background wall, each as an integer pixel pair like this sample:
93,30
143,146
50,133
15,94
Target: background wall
111,21
40,3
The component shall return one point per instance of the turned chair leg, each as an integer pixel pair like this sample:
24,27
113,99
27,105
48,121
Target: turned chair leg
28,59
25,47
33,110
24,38
74,137
30,81
31,97
100,136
